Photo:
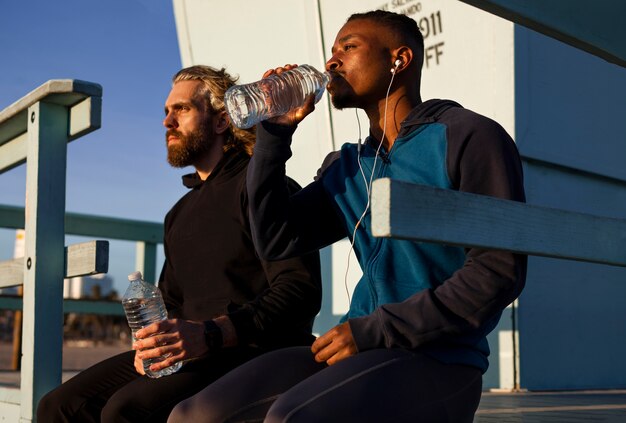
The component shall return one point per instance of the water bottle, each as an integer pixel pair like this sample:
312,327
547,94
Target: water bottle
275,95
143,305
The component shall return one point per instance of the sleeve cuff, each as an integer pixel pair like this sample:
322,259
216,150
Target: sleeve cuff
273,138
367,332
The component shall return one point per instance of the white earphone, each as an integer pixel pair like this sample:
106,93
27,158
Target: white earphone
397,63
368,183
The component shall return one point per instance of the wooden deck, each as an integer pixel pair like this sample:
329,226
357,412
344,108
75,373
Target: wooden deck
607,406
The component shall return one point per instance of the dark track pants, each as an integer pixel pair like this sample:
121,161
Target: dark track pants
112,391
385,385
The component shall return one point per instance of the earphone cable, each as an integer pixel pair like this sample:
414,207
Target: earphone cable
368,187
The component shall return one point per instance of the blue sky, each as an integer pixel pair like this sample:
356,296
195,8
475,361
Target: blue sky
130,48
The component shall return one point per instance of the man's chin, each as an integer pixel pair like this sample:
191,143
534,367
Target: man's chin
340,103
176,164
176,159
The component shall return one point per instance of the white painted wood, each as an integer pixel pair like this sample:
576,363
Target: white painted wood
11,272
85,117
10,396
13,153
86,258
65,92
36,129
417,212
68,93
9,405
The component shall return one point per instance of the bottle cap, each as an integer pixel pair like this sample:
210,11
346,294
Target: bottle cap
134,276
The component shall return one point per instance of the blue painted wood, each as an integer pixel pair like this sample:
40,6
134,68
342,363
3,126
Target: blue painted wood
90,225
100,307
36,129
42,328
596,27
423,213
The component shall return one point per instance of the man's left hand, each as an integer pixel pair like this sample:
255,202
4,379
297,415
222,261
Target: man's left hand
334,345
182,339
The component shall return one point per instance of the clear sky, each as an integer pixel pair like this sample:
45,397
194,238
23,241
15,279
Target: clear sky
131,49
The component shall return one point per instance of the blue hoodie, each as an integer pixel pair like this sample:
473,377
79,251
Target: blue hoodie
437,299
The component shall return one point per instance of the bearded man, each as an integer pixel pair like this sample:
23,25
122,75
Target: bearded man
225,305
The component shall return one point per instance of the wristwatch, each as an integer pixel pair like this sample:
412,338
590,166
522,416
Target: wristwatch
212,335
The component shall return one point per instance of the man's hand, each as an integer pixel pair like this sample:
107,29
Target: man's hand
139,364
293,116
334,345
181,339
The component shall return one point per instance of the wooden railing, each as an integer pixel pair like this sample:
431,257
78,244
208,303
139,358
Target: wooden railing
422,213
427,214
146,235
36,129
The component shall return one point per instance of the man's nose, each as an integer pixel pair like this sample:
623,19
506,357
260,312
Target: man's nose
332,64
169,121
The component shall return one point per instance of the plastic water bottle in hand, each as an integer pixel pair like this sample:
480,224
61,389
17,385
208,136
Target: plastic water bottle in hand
143,305
275,95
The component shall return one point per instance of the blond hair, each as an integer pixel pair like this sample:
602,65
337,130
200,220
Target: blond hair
214,85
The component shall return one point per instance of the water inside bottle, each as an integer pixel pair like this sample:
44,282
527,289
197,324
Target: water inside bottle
250,104
141,312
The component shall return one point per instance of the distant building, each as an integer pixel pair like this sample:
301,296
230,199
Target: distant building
96,286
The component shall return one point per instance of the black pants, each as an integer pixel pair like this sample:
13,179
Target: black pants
112,391
385,385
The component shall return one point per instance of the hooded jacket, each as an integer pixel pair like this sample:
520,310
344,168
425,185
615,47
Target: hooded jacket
432,298
211,267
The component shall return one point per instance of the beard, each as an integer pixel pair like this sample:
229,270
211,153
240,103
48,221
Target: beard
343,96
190,149
340,102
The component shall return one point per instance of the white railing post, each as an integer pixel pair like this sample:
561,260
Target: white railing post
42,332
36,130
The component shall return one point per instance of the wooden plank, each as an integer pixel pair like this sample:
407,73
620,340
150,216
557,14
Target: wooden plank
100,307
85,258
85,117
9,404
595,27
108,227
13,154
65,92
42,325
11,272
10,396
93,226
84,99
11,217
422,213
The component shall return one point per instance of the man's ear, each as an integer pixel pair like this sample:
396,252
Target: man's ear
221,122
405,55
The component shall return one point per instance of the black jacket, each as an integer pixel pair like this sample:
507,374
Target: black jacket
211,267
